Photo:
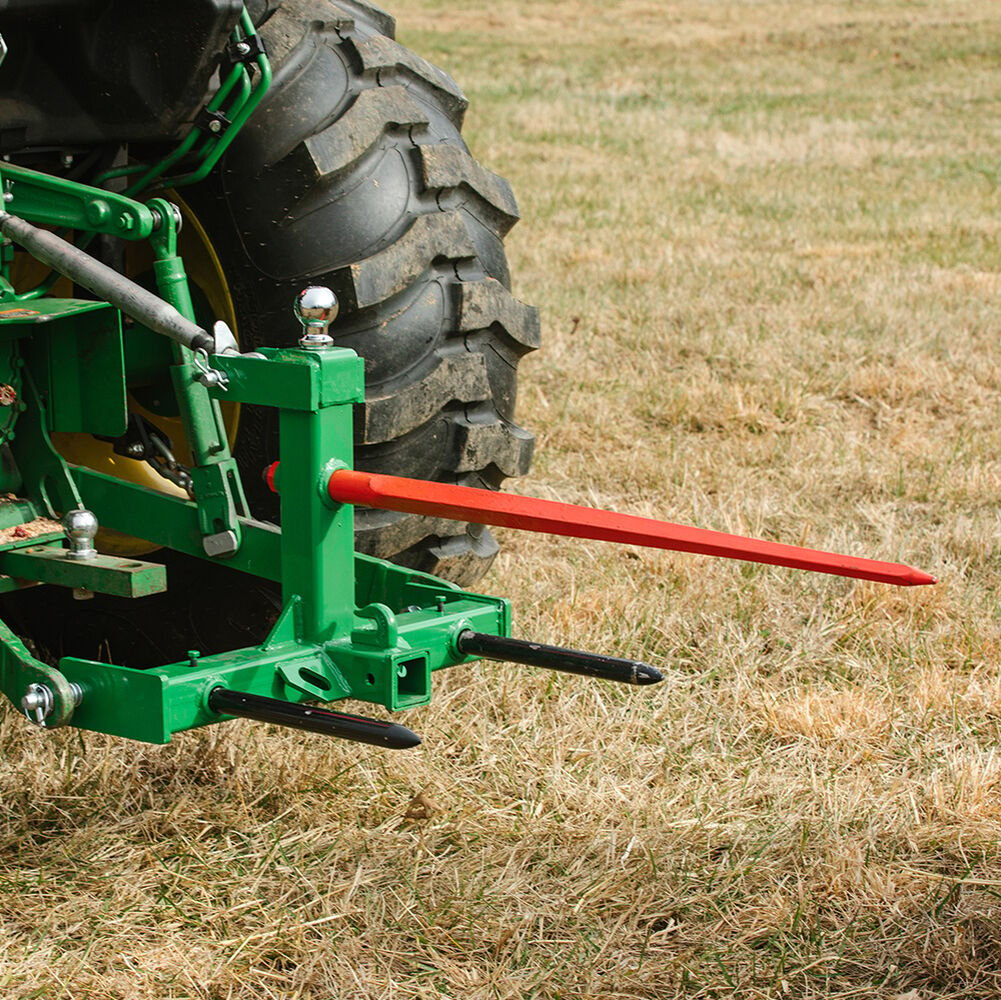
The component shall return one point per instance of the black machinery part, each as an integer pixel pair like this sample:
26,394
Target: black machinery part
80,74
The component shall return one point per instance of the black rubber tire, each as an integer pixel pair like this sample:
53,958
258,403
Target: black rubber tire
353,174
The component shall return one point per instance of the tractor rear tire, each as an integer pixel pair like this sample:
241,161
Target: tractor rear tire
353,174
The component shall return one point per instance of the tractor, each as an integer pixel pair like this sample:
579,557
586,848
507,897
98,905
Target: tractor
258,356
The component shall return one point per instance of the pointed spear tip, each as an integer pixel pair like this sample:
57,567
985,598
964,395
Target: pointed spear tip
397,737
645,674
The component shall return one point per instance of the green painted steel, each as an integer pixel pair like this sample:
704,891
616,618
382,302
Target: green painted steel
215,479
167,520
317,537
103,574
19,669
54,201
152,705
13,317
89,395
351,626
46,479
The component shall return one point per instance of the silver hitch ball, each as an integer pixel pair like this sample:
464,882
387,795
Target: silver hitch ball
316,308
81,528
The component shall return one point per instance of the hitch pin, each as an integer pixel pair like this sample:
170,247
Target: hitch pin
207,376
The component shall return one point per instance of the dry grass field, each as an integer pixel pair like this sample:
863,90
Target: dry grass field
766,240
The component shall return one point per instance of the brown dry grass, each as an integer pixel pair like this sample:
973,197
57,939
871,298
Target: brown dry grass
764,237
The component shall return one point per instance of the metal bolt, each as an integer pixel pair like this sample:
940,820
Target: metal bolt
221,544
98,211
37,703
215,125
135,450
242,48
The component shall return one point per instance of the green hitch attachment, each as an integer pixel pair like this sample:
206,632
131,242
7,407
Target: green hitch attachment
351,626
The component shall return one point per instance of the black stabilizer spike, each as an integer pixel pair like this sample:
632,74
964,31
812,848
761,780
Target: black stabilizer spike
316,720
570,661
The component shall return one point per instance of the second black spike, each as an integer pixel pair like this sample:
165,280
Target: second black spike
570,661
316,720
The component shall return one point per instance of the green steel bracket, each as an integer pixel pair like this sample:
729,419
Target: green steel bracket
18,321
173,522
78,364
103,574
54,201
151,705
389,657
352,626
19,669
304,380
19,512
216,481
314,391
7,290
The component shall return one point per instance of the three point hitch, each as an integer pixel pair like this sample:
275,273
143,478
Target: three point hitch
351,626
